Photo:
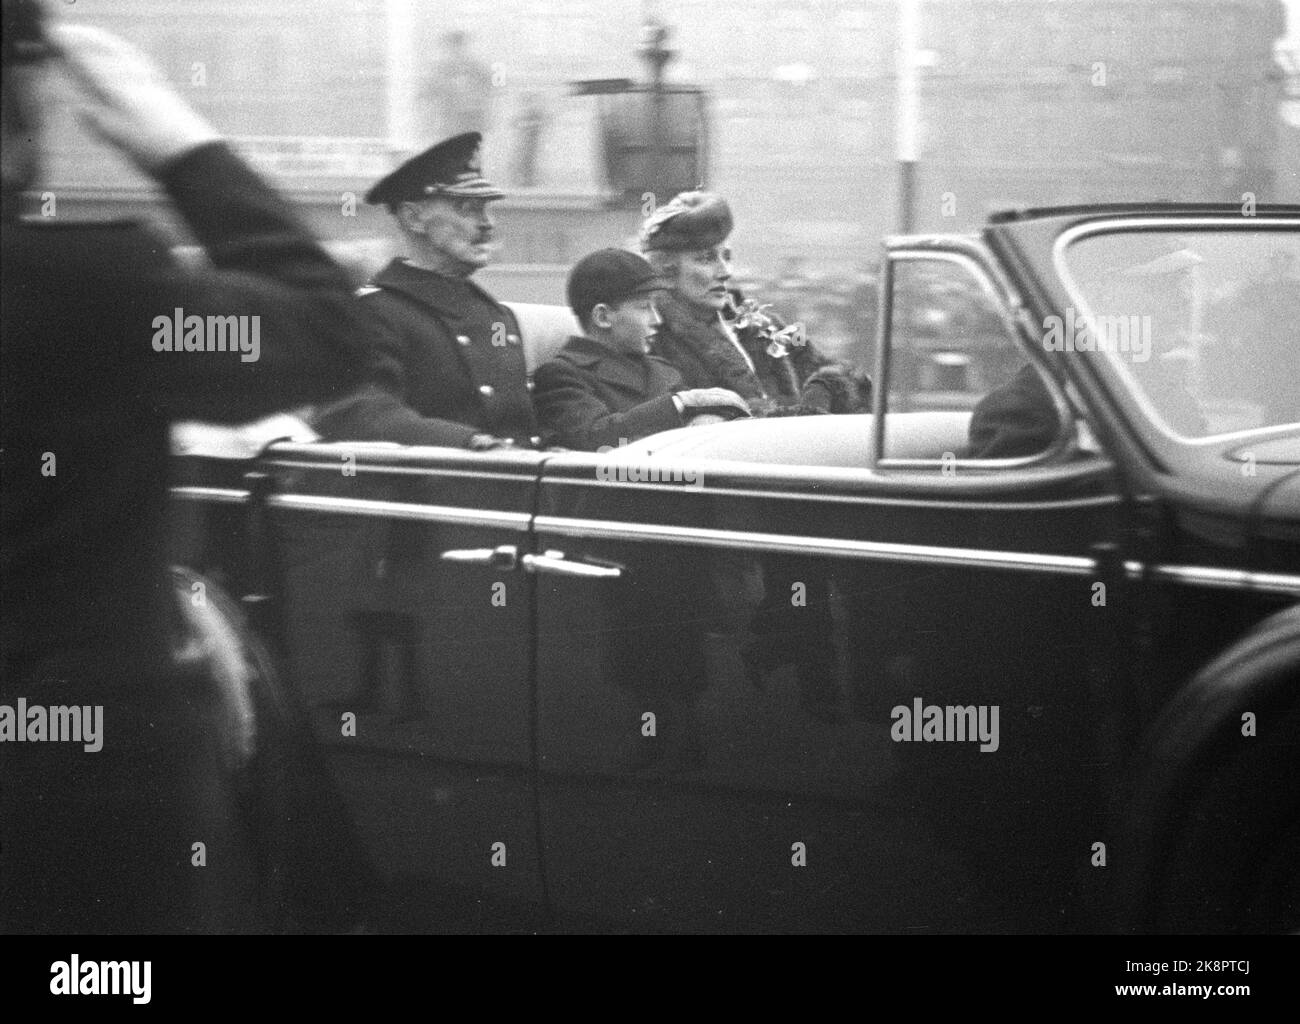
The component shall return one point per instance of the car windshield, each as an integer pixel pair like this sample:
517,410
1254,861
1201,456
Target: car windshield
1202,326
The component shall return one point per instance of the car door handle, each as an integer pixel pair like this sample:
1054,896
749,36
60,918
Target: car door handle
505,557
554,563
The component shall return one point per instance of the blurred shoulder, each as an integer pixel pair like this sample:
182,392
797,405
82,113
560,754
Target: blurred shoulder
106,261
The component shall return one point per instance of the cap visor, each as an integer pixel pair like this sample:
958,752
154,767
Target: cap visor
657,284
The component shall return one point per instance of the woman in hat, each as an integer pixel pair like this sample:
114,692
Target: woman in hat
711,336
712,347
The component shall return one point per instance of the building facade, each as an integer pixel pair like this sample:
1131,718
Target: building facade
1021,102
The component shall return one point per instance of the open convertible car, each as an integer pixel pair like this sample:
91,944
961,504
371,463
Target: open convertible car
1019,651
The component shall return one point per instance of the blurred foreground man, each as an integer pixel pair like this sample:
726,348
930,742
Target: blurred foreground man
604,388
448,364
101,831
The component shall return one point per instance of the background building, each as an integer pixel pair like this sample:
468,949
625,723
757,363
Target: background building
1022,102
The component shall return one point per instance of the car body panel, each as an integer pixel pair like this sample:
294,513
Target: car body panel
415,671
670,677
789,763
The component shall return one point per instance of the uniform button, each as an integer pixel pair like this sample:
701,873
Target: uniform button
531,385
462,339
535,440
487,390
513,339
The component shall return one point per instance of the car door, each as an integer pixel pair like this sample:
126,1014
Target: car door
408,634
734,699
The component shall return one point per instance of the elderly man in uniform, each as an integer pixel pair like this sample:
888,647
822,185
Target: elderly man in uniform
448,367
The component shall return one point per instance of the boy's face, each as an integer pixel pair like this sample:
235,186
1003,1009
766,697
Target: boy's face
630,324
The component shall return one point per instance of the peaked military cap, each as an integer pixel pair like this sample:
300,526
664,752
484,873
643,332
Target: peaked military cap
451,168
691,220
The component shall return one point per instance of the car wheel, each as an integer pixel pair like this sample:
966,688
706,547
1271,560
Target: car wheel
1213,829
284,822
1232,864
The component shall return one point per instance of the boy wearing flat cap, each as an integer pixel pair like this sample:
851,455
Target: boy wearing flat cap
448,367
604,387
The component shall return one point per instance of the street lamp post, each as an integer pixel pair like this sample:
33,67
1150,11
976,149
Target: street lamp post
908,111
399,92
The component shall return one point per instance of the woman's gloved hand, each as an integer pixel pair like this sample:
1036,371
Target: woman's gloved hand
489,443
717,402
836,389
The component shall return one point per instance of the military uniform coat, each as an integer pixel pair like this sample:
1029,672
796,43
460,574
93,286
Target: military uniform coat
590,395
448,363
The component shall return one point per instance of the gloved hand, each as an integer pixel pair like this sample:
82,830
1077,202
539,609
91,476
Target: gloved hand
718,401
836,389
799,409
127,99
489,443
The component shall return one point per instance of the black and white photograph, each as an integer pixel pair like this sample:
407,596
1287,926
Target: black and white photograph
651,467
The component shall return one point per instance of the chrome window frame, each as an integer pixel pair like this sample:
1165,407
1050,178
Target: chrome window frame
1004,297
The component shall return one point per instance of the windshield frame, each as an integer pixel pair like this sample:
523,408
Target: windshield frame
1118,378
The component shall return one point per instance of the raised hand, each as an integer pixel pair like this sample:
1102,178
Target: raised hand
126,98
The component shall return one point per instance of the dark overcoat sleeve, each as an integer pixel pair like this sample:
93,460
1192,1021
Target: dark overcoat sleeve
264,264
572,415
375,413
380,410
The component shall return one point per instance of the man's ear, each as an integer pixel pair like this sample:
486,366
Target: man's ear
410,216
600,316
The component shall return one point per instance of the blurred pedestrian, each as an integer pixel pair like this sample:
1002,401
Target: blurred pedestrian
529,123
458,93
1257,327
